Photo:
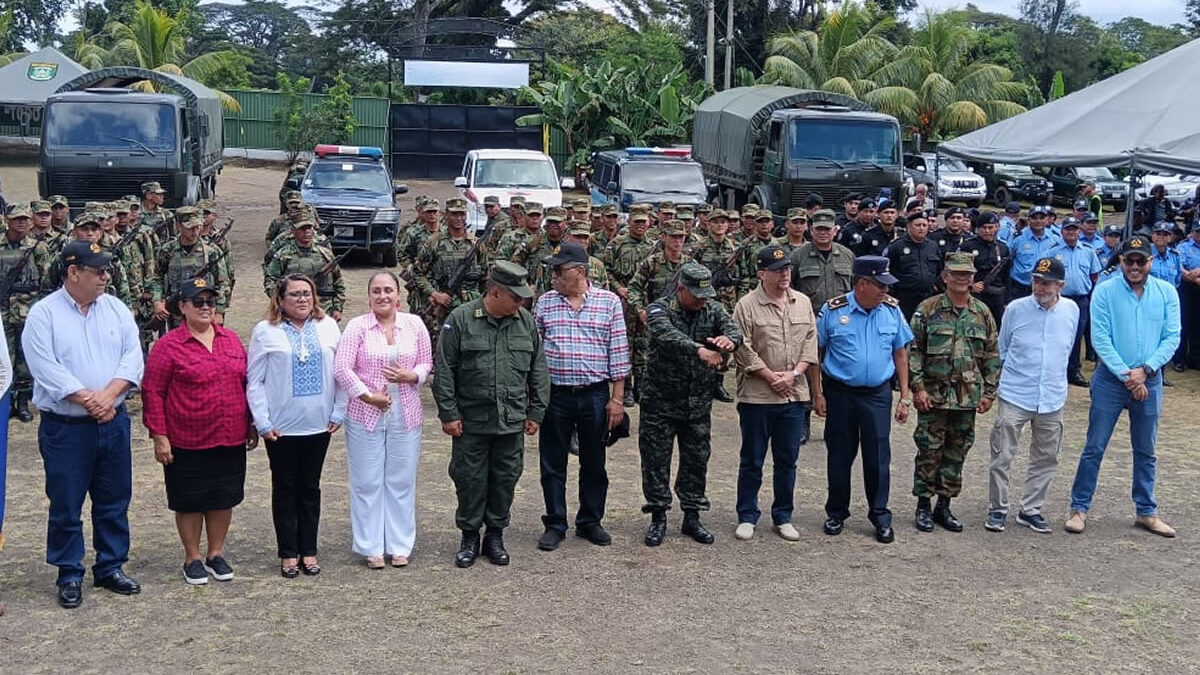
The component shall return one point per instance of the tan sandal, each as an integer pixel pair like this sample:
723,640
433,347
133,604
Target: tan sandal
399,561
375,562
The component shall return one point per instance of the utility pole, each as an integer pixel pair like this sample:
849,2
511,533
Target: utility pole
709,47
728,44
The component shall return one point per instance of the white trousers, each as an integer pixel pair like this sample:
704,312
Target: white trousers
1044,446
383,486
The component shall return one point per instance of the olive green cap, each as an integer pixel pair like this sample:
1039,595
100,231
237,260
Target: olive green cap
513,276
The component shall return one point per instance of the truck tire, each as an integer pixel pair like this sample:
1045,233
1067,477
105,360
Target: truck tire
389,257
1000,197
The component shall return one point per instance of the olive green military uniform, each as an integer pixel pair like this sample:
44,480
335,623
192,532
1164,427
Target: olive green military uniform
283,222
316,262
24,266
955,358
678,393
490,374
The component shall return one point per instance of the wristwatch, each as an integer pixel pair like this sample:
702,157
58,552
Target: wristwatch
1150,372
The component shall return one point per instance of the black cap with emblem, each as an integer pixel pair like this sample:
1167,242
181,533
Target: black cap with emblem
568,253
1049,269
85,253
772,258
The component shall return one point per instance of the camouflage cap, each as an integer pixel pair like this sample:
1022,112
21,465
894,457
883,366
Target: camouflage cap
718,214
685,213
697,279
763,214
554,214
748,211
960,262
430,205
39,206
207,205
184,212
532,208
639,217
132,199
641,207
516,200
59,200
20,211
292,197
88,218
666,206
610,209
490,200
152,186
579,228
580,204
704,208
303,222
673,228
121,207
797,212
823,218
456,205
91,205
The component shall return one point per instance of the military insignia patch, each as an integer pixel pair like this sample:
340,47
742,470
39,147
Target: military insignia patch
779,254
1044,266
196,283
843,319
1135,243
479,313
95,248
907,250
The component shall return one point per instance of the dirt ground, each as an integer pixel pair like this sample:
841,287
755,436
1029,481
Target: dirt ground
1114,599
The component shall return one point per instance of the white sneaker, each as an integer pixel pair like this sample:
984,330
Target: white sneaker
744,531
788,532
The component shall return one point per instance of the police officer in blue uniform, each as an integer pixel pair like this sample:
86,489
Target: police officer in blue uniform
1110,245
1027,248
1082,268
1167,266
862,337
1188,355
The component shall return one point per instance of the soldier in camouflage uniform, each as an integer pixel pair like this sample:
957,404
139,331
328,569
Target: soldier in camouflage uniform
653,277
529,224
580,209
126,282
747,258
797,230
46,232
297,171
42,214
690,337
743,229
436,264
687,216
580,232
303,255
954,366
623,257
24,263
714,251
60,213
408,247
180,259
161,221
307,212
703,216
283,222
539,248
498,221
610,217
208,211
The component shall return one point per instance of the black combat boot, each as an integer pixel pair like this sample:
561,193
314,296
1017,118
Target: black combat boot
694,528
21,406
924,518
719,392
658,528
493,546
468,551
943,517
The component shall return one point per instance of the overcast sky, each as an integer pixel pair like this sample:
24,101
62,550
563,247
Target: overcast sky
1163,12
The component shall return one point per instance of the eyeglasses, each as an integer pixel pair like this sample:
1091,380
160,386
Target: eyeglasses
1136,262
98,271
299,295
203,302
563,269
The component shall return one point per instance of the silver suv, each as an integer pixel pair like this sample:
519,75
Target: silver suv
949,179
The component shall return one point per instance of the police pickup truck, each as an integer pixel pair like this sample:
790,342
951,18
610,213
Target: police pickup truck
354,195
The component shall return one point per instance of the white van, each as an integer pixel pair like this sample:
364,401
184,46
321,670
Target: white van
506,174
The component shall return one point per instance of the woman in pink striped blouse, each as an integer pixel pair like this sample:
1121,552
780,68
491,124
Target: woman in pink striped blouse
381,362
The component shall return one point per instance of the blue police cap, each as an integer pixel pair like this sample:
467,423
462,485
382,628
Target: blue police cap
874,267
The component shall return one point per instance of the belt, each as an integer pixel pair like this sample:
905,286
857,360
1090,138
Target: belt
831,382
579,387
76,419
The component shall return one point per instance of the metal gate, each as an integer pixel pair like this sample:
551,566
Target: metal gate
431,141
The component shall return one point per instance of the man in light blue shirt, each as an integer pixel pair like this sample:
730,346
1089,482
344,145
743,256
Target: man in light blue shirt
1008,222
1035,335
83,350
1082,267
1029,247
1135,330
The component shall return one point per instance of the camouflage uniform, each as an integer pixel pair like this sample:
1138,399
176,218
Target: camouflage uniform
177,263
206,207
537,250
283,222
119,285
25,287
677,396
954,357
311,262
714,256
579,232
408,249
747,263
500,225
436,262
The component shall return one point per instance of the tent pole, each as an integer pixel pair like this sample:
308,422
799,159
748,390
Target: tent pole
1129,198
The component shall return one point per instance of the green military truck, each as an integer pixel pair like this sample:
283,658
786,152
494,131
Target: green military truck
101,140
775,146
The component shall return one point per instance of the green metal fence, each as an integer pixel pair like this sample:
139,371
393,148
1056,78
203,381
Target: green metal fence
557,149
256,127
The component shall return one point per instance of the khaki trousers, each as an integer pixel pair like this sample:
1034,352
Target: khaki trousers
1044,446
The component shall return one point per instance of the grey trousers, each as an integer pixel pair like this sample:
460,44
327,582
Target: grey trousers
1044,446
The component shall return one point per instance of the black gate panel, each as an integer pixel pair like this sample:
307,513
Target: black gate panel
431,141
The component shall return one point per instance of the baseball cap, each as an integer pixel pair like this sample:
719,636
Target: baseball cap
1136,245
1090,217
532,208
797,212
85,253
874,267
1039,211
579,228
1070,221
491,199
1079,205
1049,269
554,214
59,200
568,253
512,276
673,228
152,186
639,217
456,205
1164,226
20,211
772,258
194,287
763,215
960,262
430,205
292,197
1012,207
823,218
1113,230
685,213
697,279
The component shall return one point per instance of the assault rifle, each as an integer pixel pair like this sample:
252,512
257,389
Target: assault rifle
219,237
722,277
458,277
157,324
11,276
333,263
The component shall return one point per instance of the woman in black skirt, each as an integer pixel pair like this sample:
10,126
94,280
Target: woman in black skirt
194,398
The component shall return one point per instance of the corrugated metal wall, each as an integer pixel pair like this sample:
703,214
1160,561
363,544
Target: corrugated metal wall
557,149
255,126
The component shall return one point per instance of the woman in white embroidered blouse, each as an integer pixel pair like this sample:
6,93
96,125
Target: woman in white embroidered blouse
296,406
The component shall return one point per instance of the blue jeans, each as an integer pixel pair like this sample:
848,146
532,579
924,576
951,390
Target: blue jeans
1074,363
81,459
1109,398
783,425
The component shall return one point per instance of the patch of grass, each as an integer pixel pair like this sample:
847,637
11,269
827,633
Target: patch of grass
978,646
1072,638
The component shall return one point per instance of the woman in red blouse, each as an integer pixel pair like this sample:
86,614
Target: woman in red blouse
194,404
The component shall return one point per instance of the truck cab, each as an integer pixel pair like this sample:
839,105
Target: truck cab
650,175
352,190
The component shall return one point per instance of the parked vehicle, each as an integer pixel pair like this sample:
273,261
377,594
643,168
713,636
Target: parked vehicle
101,140
1179,187
650,175
949,178
507,174
352,190
775,146
1009,182
1068,182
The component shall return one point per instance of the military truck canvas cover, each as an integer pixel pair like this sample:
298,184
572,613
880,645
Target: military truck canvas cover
204,108
31,78
727,123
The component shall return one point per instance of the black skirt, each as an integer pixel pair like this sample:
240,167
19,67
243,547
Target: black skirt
205,480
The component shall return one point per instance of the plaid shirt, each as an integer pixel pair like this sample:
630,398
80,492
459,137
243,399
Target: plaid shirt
587,346
194,397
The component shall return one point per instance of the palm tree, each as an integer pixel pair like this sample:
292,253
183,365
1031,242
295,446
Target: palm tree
840,58
931,87
154,40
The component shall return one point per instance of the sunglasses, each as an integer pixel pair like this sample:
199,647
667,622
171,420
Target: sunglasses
203,302
1139,261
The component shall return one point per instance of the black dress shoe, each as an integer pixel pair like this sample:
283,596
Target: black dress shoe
21,404
942,516
70,595
1078,380
493,548
117,582
468,550
721,395
593,533
1178,367
657,530
550,539
884,534
833,526
924,519
1165,382
693,528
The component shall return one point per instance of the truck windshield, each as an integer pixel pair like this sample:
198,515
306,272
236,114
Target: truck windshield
109,125
360,176
663,178
845,141
523,173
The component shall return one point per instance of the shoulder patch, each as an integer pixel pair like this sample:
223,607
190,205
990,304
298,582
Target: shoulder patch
891,300
446,326
478,312
839,301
